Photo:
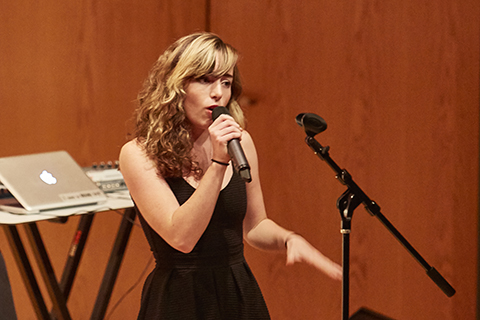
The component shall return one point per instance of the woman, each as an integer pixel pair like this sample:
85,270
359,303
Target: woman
192,205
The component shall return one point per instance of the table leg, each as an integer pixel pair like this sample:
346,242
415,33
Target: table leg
46,269
75,253
113,266
26,271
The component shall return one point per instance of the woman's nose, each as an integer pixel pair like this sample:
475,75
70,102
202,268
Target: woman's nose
216,90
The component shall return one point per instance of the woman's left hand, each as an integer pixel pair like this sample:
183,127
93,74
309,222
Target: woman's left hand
299,250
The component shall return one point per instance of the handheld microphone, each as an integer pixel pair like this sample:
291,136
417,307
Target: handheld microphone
311,123
240,163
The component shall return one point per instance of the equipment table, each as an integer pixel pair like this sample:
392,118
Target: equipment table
59,291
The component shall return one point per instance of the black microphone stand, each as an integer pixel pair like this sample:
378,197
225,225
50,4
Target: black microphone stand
346,204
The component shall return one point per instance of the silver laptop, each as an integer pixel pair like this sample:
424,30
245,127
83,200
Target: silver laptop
45,181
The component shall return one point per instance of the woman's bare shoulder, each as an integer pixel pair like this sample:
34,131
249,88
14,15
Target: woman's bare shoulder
133,155
131,146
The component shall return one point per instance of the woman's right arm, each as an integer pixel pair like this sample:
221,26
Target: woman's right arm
180,226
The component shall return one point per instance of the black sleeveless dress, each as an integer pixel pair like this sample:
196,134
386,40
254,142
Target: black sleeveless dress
213,282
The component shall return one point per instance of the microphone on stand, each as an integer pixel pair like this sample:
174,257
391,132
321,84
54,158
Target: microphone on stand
240,163
311,123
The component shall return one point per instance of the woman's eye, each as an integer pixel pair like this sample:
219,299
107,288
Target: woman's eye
203,80
207,80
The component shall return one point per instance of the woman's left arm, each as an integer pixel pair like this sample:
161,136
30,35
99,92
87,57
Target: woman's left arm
263,233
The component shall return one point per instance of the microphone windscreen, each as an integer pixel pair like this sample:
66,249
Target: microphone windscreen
216,112
311,123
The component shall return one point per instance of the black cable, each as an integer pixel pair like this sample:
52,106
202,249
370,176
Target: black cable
131,288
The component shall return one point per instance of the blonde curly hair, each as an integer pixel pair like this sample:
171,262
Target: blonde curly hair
162,128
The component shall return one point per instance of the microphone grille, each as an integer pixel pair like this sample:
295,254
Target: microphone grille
216,112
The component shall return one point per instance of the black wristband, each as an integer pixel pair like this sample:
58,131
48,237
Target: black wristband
222,163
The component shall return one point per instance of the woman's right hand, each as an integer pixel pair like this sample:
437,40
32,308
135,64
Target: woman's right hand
221,131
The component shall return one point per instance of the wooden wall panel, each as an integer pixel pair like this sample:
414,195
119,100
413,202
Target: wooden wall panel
70,71
398,84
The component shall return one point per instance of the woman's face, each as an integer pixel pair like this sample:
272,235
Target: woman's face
203,95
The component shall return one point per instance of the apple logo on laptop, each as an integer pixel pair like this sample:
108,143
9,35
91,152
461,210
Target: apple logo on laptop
47,177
